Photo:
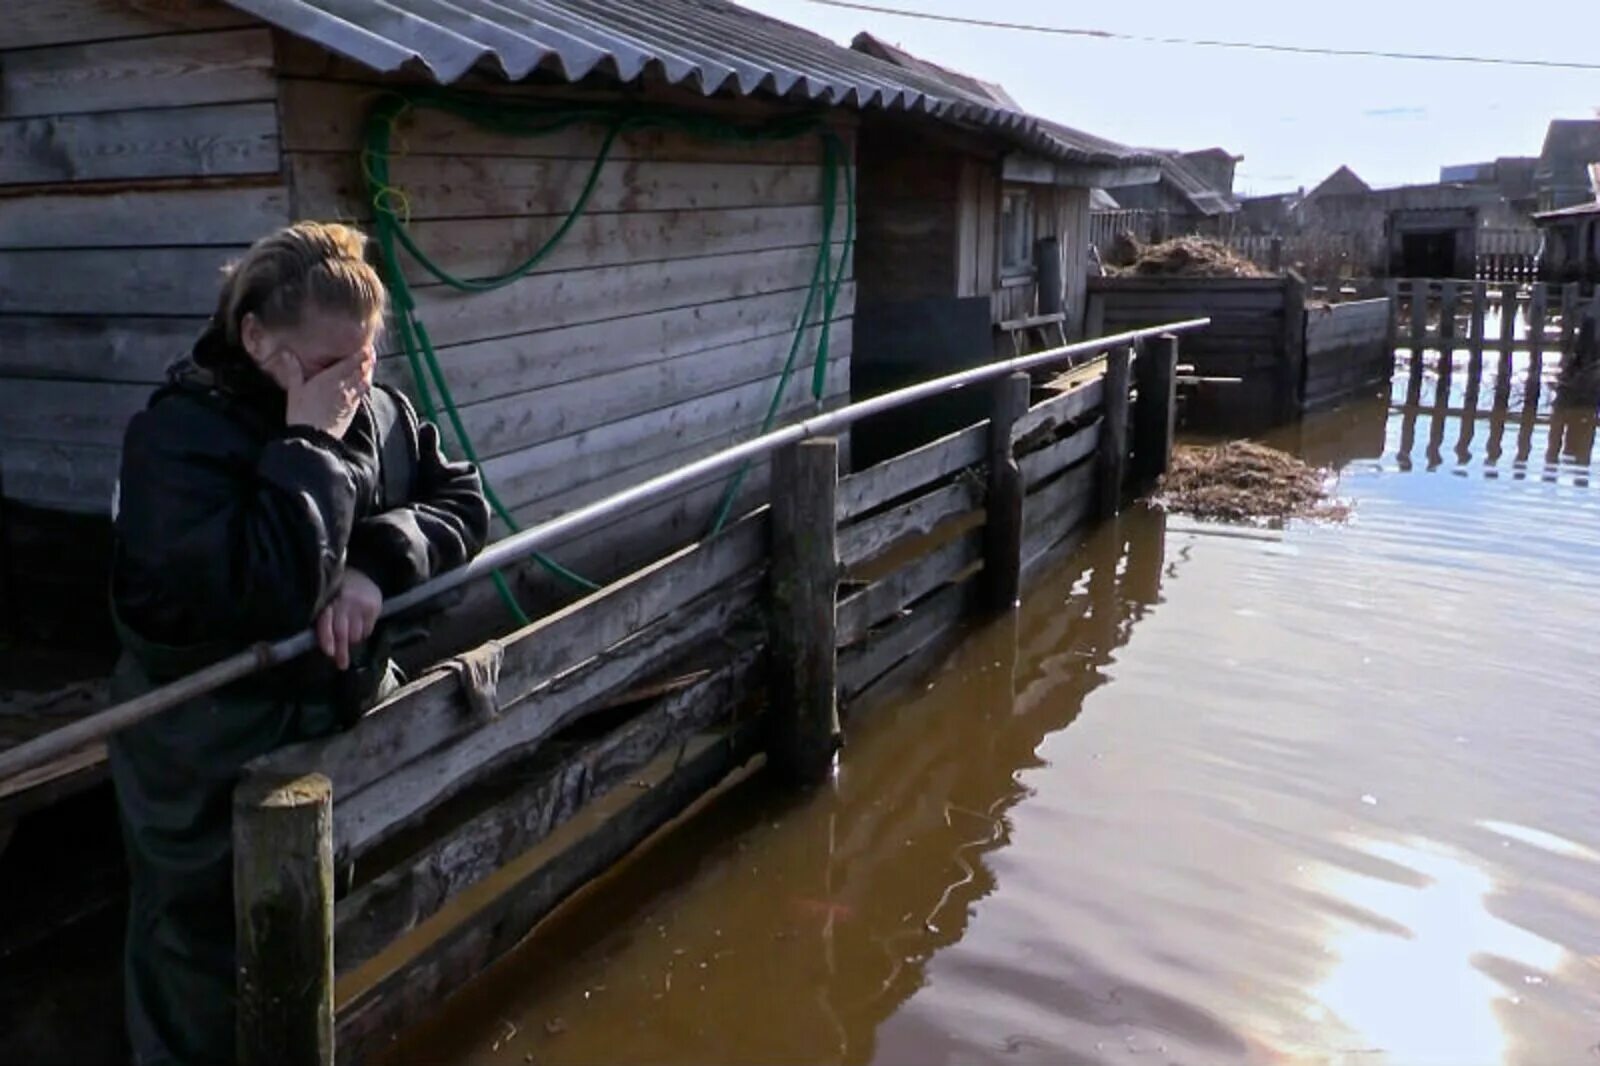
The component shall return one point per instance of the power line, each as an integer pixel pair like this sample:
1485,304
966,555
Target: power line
1252,46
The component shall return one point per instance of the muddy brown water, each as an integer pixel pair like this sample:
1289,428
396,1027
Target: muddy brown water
1324,794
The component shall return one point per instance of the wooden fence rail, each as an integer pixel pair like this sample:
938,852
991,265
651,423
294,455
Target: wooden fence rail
508,762
1435,313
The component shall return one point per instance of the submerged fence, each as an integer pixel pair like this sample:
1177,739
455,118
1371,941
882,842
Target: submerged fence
470,803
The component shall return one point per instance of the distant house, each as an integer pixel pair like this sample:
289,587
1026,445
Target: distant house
1571,147
1511,176
1193,195
1571,243
1269,215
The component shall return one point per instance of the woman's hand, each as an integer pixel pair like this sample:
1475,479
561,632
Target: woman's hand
350,618
328,399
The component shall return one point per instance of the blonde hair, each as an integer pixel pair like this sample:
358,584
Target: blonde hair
319,264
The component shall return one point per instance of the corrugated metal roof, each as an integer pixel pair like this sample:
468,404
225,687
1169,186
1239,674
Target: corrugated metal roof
706,46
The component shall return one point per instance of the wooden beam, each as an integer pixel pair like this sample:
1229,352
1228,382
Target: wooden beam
225,215
801,617
34,23
904,474
283,912
1002,503
1047,462
186,142
181,70
872,537
1113,455
1046,418
1155,417
936,616
887,597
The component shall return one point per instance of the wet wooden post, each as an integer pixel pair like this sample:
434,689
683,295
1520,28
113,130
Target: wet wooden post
1391,326
1536,316
1002,526
1155,417
283,919
1571,310
1448,298
1291,383
1112,458
1480,322
802,625
1508,343
1419,324
1275,255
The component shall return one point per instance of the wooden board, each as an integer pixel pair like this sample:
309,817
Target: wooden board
226,215
935,617
187,142
1053,458
93,347
484,370
859,612
123,281
473,248
868,539
67,477
576,853
228,66
1046,418
330,116
68,411
1052,517
454,187
405,896
871,488
32,23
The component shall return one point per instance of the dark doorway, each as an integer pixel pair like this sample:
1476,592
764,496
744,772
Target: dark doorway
1428,255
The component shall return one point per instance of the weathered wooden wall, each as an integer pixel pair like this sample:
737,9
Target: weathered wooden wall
138,153
917,240
1347,351
134,166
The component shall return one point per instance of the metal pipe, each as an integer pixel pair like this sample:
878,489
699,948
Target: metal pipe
56,743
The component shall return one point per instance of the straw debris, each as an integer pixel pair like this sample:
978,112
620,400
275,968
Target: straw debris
1189,257
1245,482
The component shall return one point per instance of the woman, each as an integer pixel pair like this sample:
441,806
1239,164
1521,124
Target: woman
267,487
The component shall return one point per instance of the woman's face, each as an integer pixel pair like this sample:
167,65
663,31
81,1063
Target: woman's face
320,340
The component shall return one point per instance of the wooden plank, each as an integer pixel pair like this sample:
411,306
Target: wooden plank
401,898
94,348
1449,296
226,215
126,281
1417,340
484,370
1045,505
70,412
1045,419
66,477
33,23
455,187
186,142
1046,555
229,66
478,247
872,537
516,422
1536,338
936,616
536,473
323,116
428,713
605,293
1508,325
883,599
404,796
574,854
904,474
1478,322
800,608
1339,325
1050,460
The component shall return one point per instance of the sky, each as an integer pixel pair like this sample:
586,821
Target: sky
1293,118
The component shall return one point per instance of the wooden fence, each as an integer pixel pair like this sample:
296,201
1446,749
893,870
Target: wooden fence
1508,254
541,758
1539,318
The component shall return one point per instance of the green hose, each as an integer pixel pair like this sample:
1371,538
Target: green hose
523,119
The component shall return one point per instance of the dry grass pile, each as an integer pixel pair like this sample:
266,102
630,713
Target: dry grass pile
1245,482
1187,257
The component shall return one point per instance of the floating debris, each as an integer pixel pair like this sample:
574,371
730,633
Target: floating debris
1245,482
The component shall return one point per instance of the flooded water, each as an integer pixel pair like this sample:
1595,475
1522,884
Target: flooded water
1214,795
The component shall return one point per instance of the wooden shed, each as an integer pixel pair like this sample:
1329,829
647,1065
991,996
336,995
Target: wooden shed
144,143
1571,244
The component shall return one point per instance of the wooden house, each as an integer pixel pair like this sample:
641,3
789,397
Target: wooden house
1193,193
1571,244
1562,177
144,143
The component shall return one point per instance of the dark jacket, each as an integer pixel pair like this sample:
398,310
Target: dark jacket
233,528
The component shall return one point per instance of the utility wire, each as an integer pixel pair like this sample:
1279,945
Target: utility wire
1252,46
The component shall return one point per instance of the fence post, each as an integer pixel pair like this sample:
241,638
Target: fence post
1275,256
283,918
1112,458
1508,342
1155,417
1002,527
1447,331
1536,317
802,625
1480,322
1570,313
1291,385
1391,327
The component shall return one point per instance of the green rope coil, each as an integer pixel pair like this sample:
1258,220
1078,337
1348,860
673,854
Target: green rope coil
519,118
